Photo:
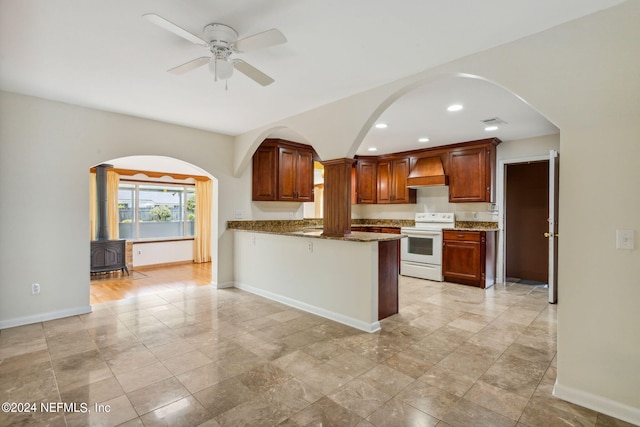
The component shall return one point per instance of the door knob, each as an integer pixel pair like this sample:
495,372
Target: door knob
549,235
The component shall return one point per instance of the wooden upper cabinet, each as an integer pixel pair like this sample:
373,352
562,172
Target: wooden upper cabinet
392,176
265,173
283,171
366,181
472,174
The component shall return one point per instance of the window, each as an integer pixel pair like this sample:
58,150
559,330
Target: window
148,210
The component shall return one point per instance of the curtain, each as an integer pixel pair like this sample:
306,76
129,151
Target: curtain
202,240
113,181
93,207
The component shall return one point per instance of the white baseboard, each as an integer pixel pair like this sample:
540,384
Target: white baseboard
597,403
224,285
327,314
43,317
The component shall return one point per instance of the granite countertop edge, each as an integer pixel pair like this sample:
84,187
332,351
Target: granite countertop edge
356,236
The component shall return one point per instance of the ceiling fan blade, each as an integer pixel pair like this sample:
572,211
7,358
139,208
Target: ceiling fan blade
170,26
261,40
188,66
252,72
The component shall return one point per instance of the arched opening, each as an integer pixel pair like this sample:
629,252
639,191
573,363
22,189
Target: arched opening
416,118
156,208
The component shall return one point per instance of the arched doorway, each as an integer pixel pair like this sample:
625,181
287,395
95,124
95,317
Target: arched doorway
158,206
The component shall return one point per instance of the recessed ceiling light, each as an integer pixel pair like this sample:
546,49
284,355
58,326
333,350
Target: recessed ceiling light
372,149
454,107
423,139
382,125
491,128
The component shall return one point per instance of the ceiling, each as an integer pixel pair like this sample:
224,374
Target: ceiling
104,55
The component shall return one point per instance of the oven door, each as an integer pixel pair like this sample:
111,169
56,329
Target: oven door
422,246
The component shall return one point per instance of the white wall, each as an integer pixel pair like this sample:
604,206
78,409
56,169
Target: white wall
337,280
46,150
584,76
153,253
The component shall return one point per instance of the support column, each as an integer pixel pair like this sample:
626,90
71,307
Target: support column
337,197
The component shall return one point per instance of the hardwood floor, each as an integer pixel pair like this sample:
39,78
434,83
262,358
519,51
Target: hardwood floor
144,281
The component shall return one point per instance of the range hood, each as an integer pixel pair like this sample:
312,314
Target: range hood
427,172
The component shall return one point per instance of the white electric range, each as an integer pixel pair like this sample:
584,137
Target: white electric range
421,251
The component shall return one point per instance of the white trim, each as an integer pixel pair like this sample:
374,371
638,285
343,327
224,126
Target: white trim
340,318
224,285
597,403
44,317
500,198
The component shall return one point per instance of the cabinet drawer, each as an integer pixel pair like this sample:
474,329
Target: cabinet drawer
470,236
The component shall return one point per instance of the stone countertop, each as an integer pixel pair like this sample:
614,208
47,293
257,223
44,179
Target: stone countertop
474,226
356,236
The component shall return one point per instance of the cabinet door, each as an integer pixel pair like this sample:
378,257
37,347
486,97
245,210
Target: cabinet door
304,176
287,173
468,176
461,260
400,193
384,181
265,166
366,181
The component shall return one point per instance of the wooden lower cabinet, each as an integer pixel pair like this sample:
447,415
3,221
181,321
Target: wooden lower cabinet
469,257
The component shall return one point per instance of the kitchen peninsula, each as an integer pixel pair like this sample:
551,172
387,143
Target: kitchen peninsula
351,279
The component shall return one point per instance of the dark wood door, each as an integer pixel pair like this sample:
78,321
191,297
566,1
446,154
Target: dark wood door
462,260
366,181
400,192
467,176
287,173
265,166
384,181
527,208
304,176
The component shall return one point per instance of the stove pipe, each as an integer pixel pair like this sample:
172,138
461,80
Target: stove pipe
101,194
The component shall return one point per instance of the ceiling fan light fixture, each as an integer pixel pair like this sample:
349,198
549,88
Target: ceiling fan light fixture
222,69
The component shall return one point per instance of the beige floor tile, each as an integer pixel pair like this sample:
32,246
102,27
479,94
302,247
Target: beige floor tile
497,400
156,395
466,413
80,369
429,399
397,413
186,362
184,412
112,413
325,412
224,396
386,379
142,377
359,397
453,356
202,377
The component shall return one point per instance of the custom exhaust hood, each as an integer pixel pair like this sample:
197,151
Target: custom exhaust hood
427,172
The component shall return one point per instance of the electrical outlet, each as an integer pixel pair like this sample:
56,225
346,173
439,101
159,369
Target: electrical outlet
253,240
624,239
239,214
139,252
35,288
309,247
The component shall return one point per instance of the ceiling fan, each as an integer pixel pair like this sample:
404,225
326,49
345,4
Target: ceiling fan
222,41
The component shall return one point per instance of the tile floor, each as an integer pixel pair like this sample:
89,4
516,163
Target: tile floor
455,355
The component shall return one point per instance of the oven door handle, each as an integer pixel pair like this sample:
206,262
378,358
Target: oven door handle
422,233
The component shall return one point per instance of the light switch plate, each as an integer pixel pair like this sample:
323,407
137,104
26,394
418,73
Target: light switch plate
624,239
